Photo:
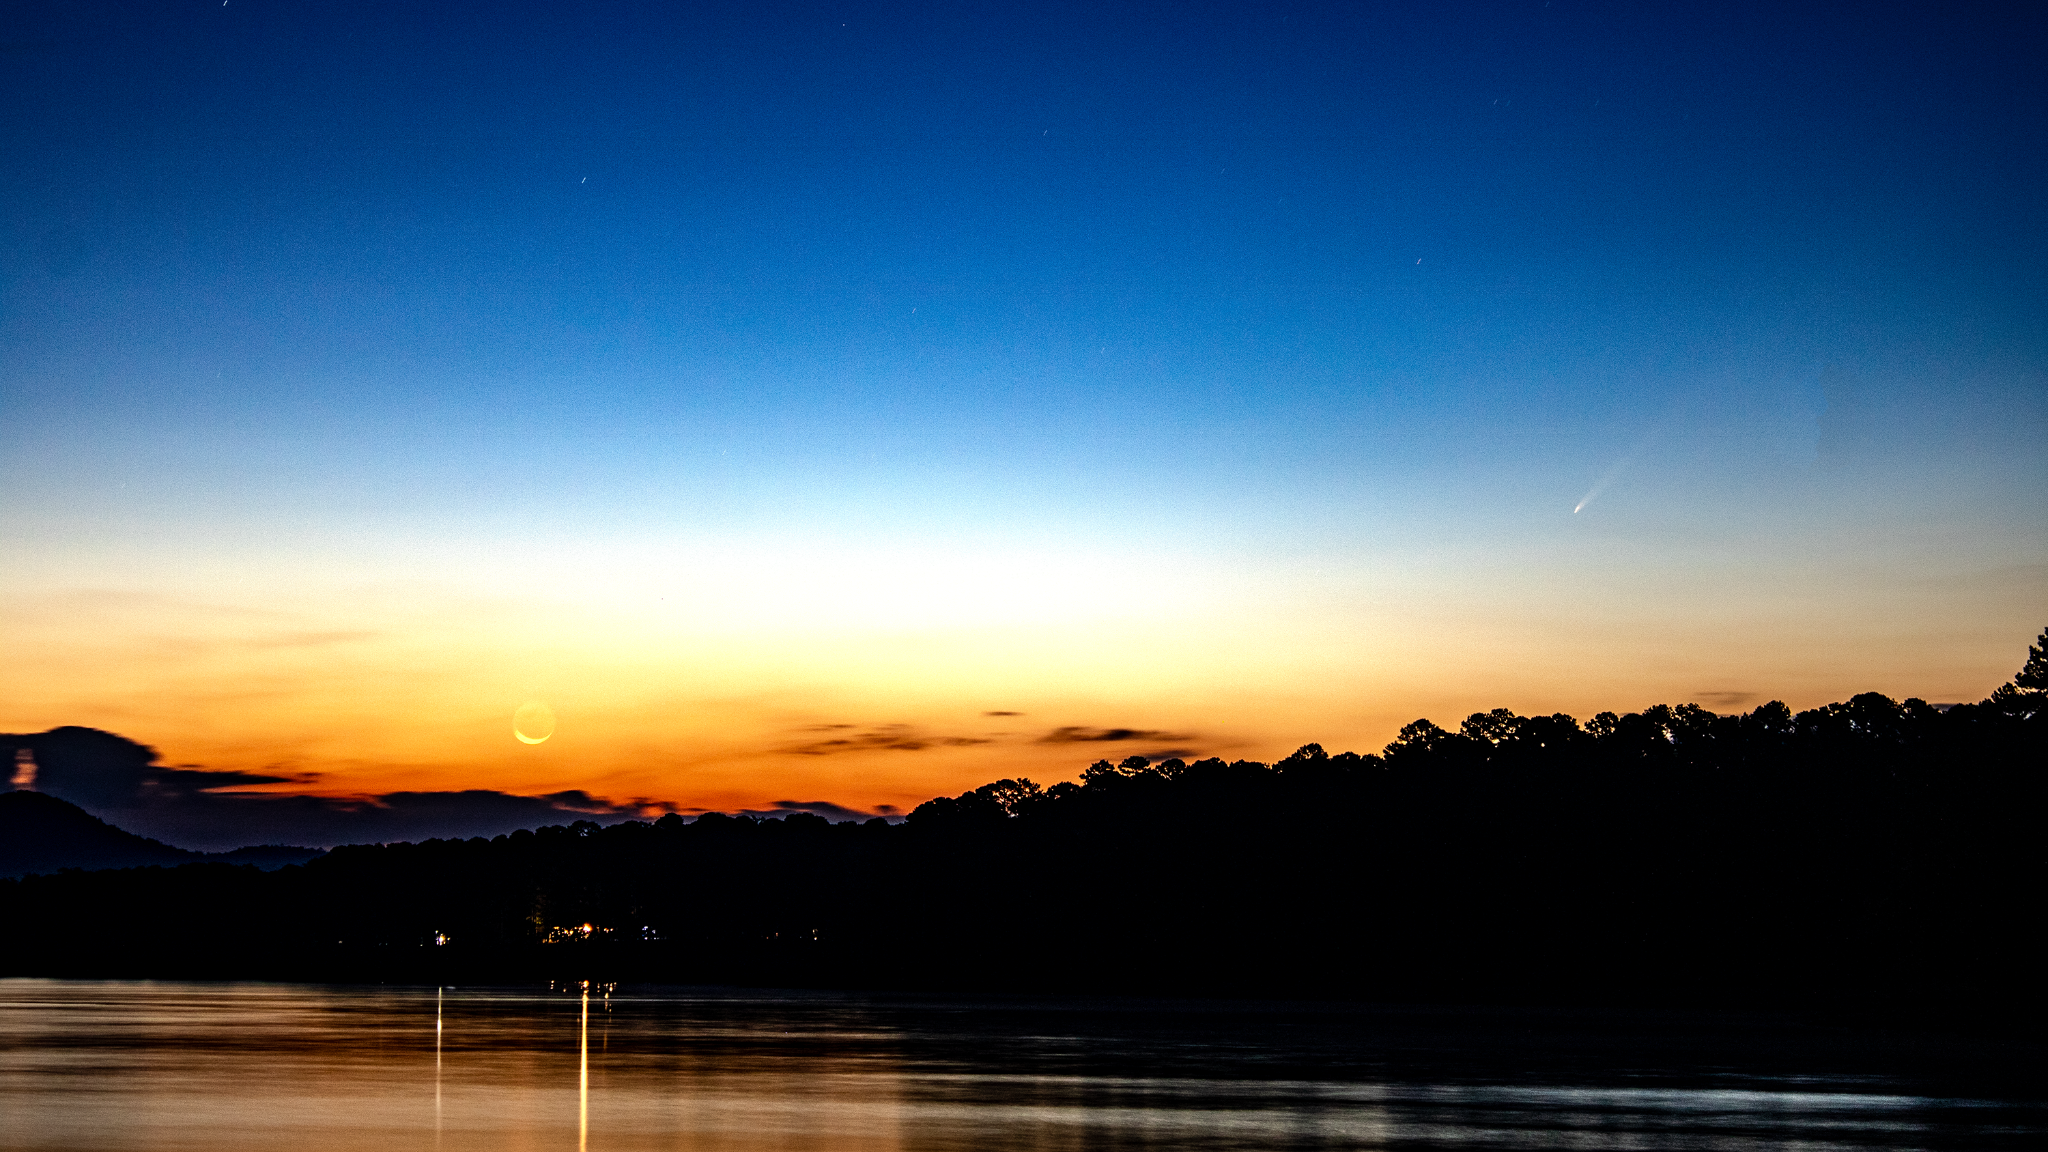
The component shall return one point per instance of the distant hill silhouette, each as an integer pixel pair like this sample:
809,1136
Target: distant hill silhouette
42,834
267,856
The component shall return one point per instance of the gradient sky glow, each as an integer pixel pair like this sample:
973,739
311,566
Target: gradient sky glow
780,391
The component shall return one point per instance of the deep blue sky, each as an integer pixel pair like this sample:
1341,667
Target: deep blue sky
1377,289
1154,229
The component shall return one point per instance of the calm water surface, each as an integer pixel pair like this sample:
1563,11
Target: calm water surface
163,1066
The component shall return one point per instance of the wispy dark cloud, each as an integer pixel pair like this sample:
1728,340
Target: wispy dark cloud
1725,699
826,808
837,813
1080,735
832,739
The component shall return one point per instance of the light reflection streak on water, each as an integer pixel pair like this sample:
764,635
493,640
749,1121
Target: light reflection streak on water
233,1067
438,997
583,1074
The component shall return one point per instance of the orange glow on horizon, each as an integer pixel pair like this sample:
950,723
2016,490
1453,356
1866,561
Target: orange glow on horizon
409,689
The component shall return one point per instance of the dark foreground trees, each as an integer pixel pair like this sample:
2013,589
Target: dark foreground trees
1869,854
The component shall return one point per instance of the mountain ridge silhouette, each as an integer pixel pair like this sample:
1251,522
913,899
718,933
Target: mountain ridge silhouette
42,834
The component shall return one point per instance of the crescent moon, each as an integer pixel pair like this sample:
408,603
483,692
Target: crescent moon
533,723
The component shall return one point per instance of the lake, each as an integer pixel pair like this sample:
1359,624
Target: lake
166,1066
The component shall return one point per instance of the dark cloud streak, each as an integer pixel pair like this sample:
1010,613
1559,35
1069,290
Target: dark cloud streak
837,813
1081,735
1726,699
119,780
880,737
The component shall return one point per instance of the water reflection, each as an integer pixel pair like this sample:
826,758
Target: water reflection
176,1066
583,1074
438,994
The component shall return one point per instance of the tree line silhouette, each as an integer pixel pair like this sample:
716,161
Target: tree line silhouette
1873,855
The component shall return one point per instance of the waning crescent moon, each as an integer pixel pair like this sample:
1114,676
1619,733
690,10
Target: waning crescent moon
533,723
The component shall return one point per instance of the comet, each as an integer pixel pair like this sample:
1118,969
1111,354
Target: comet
1620,465
1601,484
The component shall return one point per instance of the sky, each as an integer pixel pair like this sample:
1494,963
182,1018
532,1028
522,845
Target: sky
846,405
